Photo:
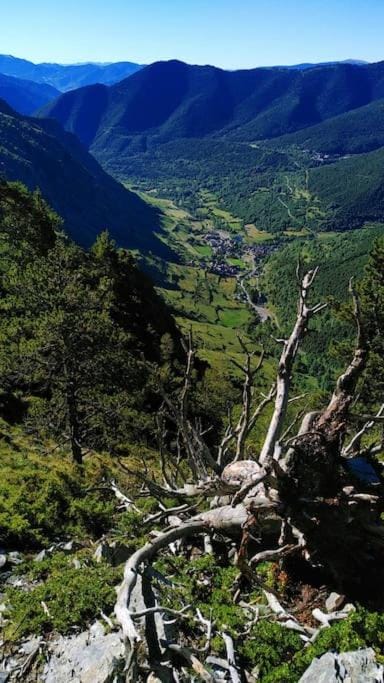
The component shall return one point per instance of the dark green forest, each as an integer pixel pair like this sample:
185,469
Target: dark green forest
82,329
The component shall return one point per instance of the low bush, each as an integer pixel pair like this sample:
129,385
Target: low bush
61,596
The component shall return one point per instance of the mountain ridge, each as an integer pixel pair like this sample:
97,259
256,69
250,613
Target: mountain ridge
66,77
41,155
171,100
25,96
355,132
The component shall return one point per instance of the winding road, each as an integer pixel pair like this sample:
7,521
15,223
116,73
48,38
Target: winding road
261,311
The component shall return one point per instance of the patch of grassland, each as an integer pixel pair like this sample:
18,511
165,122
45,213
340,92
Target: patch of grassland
255,235
204,302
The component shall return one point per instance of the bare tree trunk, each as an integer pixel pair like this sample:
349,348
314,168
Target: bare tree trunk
284,373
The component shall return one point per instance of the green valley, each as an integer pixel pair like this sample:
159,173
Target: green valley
201,289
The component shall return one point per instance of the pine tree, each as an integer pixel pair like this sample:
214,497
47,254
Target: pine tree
80,331
62,345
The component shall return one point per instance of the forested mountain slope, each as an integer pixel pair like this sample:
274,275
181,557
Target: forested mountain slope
25,96
357,131
170,100
129,452
172,124
80,328
353,189
41,154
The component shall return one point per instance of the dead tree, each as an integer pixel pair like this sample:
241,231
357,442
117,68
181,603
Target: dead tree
295,503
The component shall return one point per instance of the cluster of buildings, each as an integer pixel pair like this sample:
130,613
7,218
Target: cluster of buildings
223,269
321,158
224,247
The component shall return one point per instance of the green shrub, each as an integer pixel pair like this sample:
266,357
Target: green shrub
206,585
280,654
91,514
129,529
43,498
361,629
73,597
269,646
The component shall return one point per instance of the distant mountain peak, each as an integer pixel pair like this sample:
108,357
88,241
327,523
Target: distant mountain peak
66,77
311,65
26,96
171,100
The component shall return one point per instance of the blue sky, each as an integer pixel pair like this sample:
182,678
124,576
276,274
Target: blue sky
227,33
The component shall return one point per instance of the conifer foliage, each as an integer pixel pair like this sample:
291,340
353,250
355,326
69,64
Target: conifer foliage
79,329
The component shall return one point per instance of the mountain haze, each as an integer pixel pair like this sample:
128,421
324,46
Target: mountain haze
310,65
25,96
67,77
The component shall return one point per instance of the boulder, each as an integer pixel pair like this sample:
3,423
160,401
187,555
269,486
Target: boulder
15,558
359,666
3,558
91,657
241,472
66,547
15,666
334,601
69,547
42,555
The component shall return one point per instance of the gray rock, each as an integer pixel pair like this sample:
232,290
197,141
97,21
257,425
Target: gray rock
102,552
91,657
69,547
114,553
30,645
15,558
97,630
144,596
334,602
3,620
15,666
16,581
63,547
351,667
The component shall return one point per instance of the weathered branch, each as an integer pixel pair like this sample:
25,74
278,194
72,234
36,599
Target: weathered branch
295,499
285,367
355,442
230,648
333,418
221,519
247,419
192,661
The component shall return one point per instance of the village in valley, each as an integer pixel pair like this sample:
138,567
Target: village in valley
231,254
